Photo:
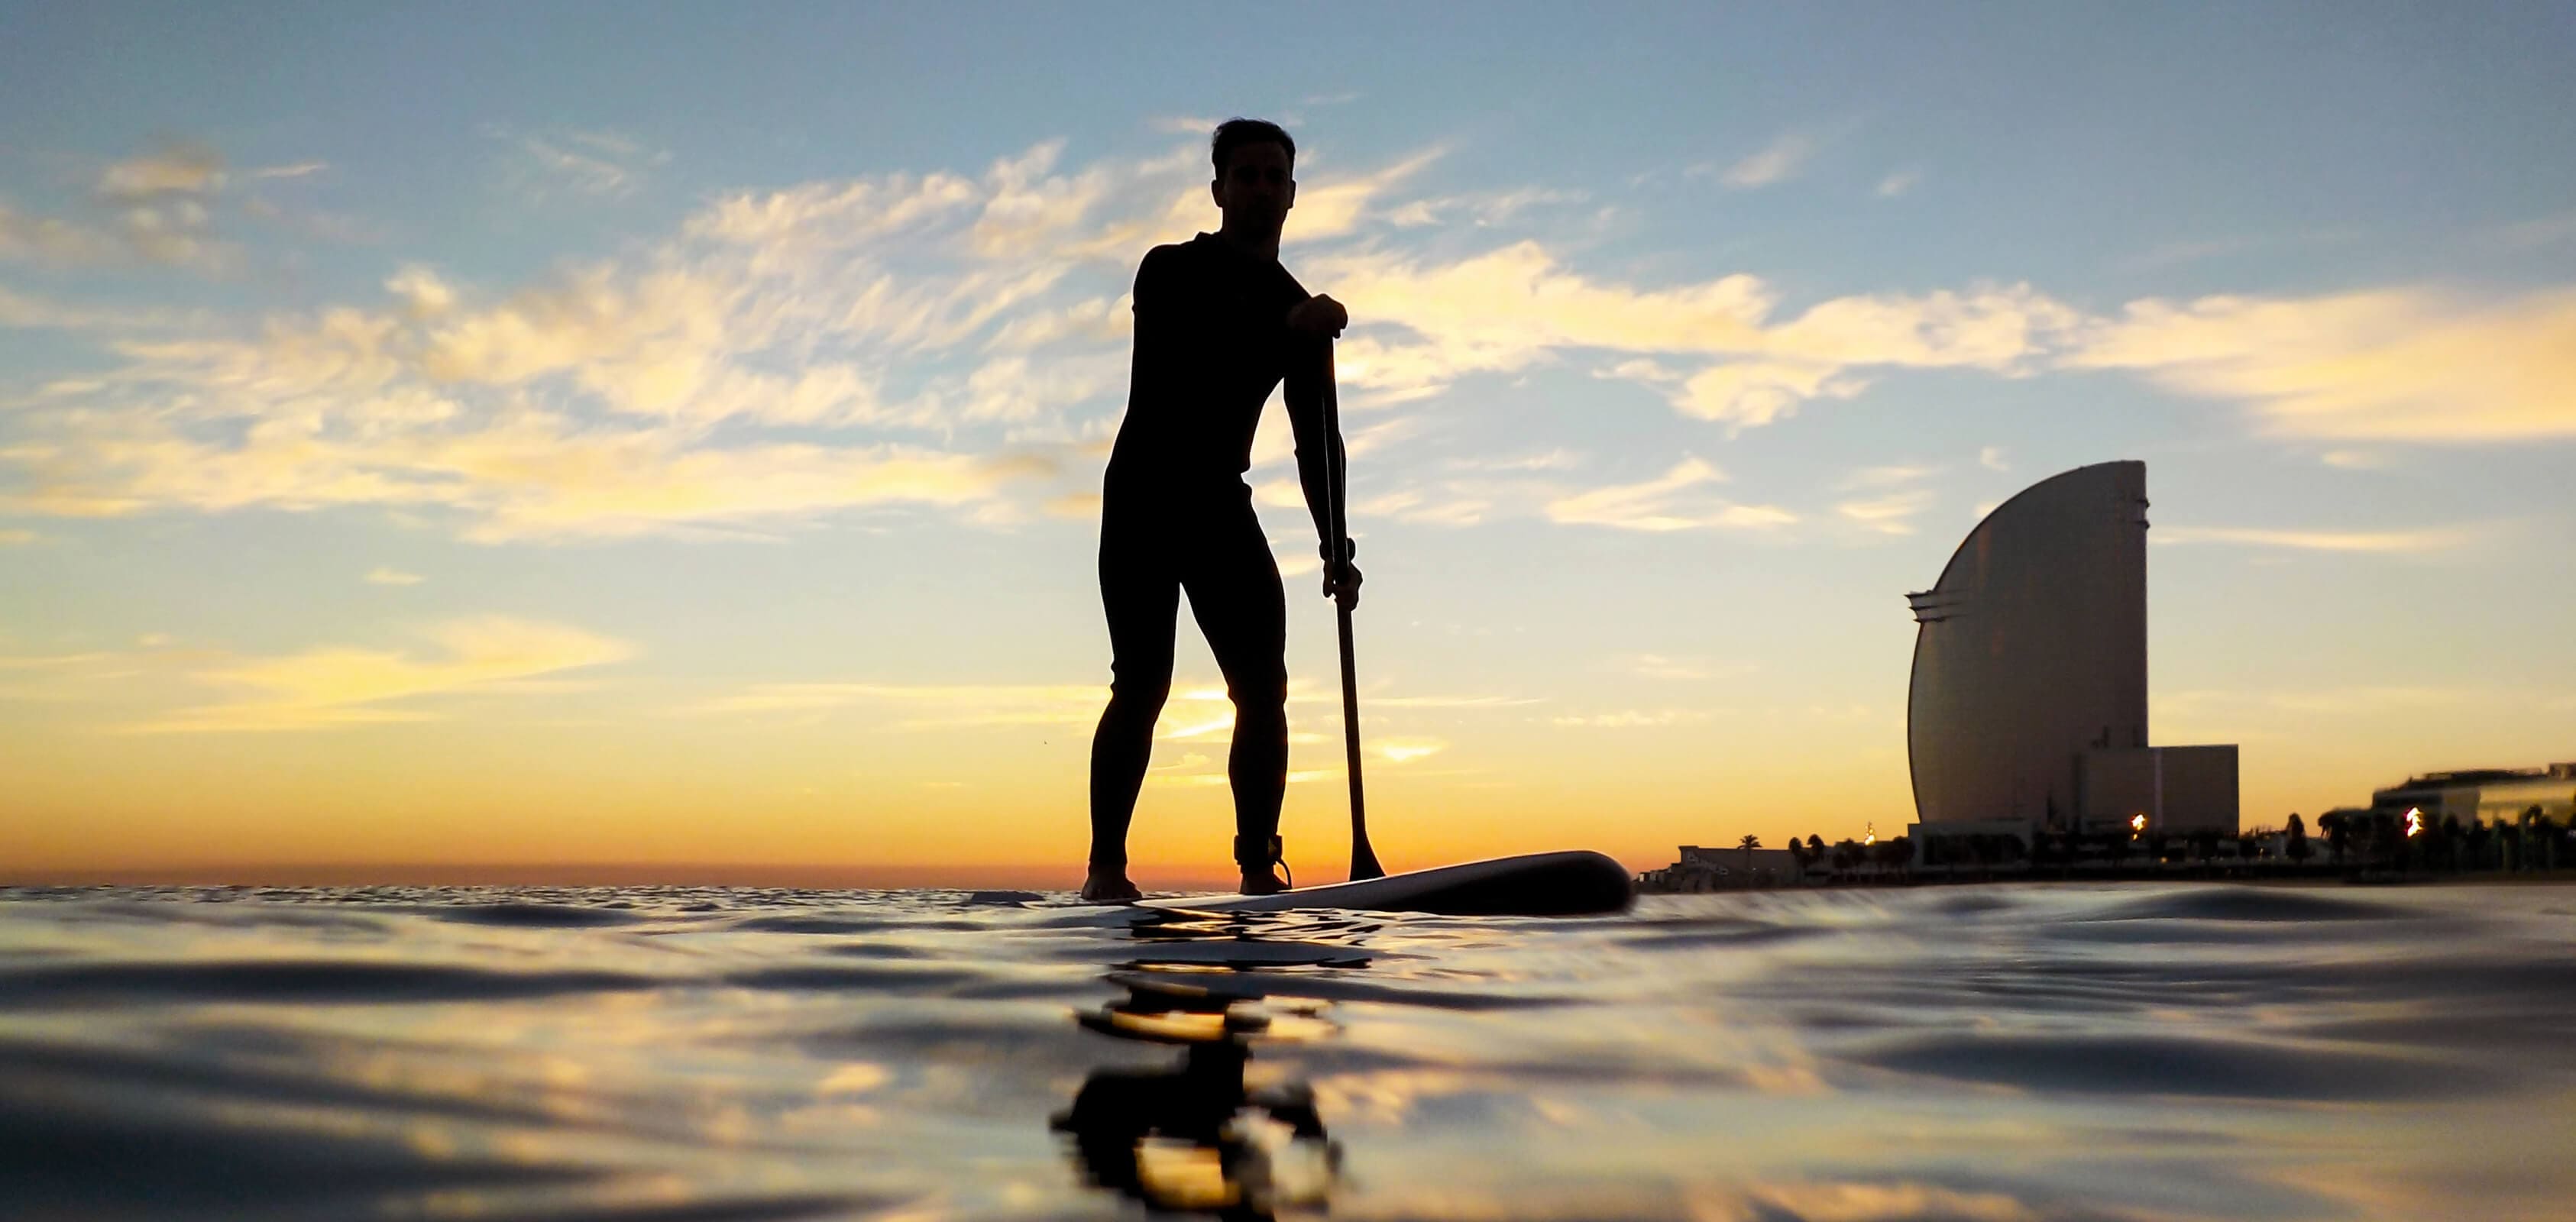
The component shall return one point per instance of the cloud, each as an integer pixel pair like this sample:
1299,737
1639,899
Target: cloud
2535,233
1424,325
16,537
1558,459
38,313
2389,365
1778,161
1633,719
596,165
1196,709
2436,539
530,476
1483,210
2354,460
300,169
1748,394
1401,751
588,403
1334,206
925,706
2351,700
384,575
340,686
1892,514
1665,503
177,169
1898,183
155,208
1992,459
52,239
1659,666
1886,476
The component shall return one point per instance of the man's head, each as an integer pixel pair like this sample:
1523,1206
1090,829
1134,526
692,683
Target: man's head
1256,163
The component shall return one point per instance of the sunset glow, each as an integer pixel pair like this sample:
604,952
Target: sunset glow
434,447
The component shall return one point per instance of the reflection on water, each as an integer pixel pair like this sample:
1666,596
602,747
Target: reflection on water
2076,1051
1201,1135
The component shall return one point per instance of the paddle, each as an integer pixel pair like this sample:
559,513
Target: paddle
1363,858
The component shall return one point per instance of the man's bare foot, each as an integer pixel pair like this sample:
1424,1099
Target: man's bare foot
1109,885
1264,883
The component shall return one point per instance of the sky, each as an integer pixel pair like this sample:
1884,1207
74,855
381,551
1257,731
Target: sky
669,437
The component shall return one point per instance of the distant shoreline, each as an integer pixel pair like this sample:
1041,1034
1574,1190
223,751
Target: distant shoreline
2321,878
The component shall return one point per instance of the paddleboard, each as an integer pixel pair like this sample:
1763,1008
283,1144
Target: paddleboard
1534,884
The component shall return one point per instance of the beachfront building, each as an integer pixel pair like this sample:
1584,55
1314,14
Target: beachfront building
1702,868
2487,796
2027,714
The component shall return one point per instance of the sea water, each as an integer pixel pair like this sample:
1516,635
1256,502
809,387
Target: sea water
1988,1053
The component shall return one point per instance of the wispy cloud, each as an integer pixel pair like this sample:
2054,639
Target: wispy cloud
1892,514
1671,501
341,686
2392,365
1992,459
1778,161
1507,309
1891,476
924,706
156,207
1661,666
1898,183
300,169
1893,503
591,164
2535,233
1482,210
387,576
1632,719
40,313
2356,700
2437,539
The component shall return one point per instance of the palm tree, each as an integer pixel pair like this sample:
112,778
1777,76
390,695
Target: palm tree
2295,846
1748,844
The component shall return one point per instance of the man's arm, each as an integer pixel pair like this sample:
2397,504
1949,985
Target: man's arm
1322,465
1157,328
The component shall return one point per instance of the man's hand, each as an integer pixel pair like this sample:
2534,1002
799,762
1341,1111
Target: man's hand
1342,581
1319,317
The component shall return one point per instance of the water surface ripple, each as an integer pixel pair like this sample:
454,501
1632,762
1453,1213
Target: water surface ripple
1997,1053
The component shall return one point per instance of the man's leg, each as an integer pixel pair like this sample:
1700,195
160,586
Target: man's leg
1141,597
1236,597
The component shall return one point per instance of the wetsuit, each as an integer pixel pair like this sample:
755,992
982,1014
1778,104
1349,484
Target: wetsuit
1212,341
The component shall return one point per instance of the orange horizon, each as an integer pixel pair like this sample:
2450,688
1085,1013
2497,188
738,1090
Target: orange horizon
1026,877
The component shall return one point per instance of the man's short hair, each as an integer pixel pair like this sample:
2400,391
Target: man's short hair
1237,132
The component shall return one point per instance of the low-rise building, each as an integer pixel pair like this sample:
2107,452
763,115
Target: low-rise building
2483,795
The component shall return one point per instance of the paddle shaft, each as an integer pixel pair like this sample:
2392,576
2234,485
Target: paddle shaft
1363,858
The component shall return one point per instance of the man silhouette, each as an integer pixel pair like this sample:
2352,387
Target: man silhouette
1219,323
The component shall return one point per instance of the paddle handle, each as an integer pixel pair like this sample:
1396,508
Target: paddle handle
1363,858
